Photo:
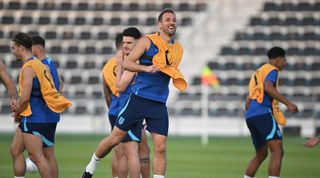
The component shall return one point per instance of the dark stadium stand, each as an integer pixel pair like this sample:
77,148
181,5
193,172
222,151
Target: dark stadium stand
79,37
292,25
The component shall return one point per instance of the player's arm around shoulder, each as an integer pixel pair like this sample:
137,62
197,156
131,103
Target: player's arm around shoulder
130,62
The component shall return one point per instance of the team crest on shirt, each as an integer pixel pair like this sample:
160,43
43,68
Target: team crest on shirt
121,120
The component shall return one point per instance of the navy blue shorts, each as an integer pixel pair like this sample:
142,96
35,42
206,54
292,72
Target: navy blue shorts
263,128
137,108
134,134
46,131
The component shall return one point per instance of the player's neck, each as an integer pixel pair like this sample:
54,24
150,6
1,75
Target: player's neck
165,37
41,56
26,55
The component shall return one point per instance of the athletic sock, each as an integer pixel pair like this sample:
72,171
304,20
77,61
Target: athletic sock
273,177
245,176
18,176
91,167
158,176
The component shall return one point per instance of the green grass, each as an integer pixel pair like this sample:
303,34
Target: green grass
224,157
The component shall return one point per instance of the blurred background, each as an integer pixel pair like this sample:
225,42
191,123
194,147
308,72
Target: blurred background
231,37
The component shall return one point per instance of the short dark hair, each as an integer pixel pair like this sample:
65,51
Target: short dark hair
118,40
275,52
165,11
38,40
23,39
132,32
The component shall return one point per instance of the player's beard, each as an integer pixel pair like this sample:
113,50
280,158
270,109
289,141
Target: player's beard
171,32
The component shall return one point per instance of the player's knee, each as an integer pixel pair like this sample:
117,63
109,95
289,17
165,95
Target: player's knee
15,152
160,149
278,151
115,140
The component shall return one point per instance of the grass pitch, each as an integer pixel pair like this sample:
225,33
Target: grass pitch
224,157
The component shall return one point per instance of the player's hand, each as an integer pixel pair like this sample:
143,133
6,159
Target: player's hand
293,108
14,105
312,142
151,69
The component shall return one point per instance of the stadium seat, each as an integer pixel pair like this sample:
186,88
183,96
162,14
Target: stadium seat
133,6
315,66
75,80
214,65
83,6
79,21
97,94
97,21
196,81
99,6
71,64
65,6
200,6
275,21
115,21
150,6
189,96
89,65
73,50
259,36
85,35
89,50
184,6
311,51
15,64
33,33
79,94
14,5
150,21
6,109
56,49
270,6
190,111
133,21
167,5
7,20
116,6
103,35
66,35
62,21
304,6
106,50
80,110
99,110
4,49
50,35
186,21
26,20
288,6
44,20
93,80
315,82
291,21
48,6
260,51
